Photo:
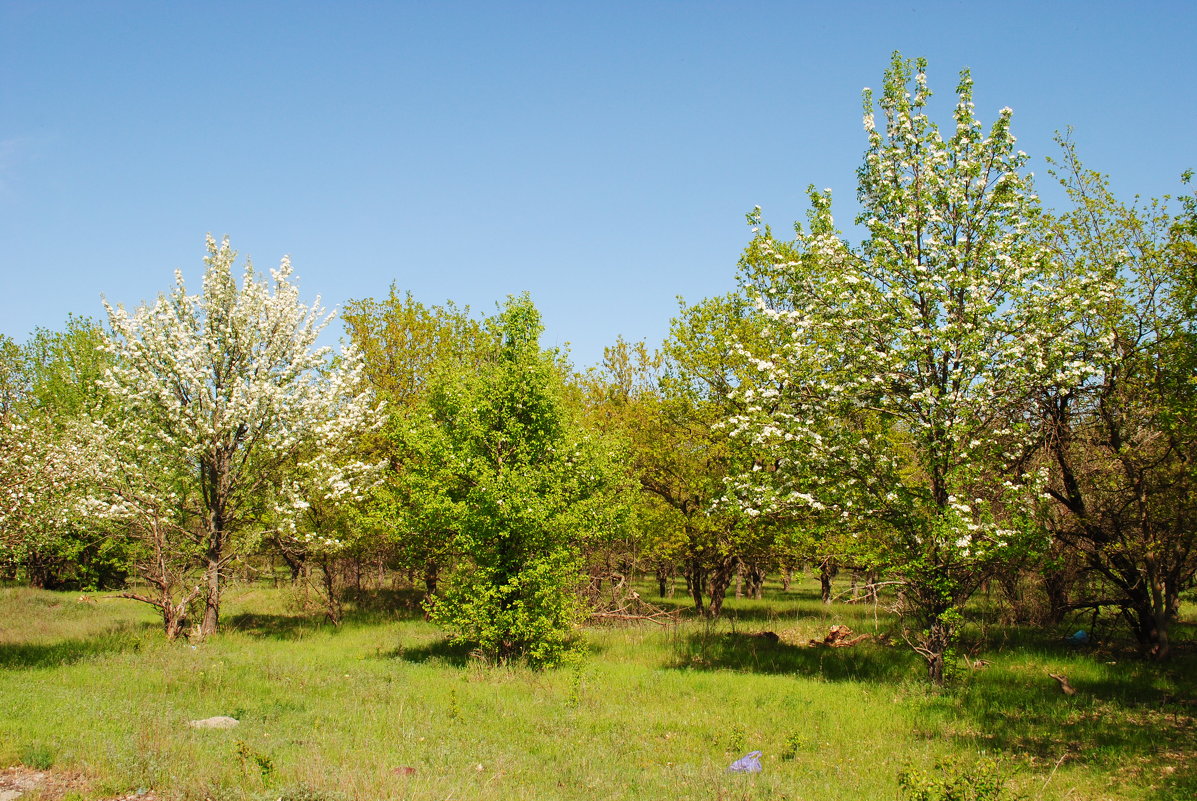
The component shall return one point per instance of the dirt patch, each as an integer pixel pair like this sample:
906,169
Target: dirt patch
20,782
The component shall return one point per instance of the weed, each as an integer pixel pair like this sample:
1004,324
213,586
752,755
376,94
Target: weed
574,699
38,756
795,742
303,792
263,762
737,739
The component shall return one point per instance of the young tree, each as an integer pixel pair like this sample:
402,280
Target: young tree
222,402
896,369
521,486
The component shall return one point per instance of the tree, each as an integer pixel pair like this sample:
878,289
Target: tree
1120,445
49,385
404,344
898,369
521,486
222,402
670,411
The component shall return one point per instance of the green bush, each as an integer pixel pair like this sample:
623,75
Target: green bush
952,780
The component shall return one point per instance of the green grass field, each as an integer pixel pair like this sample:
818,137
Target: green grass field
381,708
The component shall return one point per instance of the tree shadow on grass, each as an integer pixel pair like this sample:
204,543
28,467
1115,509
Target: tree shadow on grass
404,603
30,656
275,627
440,651
1138,724
755,653
361,608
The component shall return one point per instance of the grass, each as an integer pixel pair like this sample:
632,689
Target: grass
382,708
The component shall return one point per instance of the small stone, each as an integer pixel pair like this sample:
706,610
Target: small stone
218,722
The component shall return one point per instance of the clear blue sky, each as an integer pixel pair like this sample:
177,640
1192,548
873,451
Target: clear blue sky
600,155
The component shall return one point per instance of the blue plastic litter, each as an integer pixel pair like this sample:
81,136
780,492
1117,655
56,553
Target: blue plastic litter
1081,637
750,763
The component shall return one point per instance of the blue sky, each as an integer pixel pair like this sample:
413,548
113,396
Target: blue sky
600,155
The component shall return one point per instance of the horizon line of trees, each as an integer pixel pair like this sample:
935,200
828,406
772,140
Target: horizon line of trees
981,392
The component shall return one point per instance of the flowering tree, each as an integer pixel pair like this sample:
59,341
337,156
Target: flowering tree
46,387
1123,489
37,476
897,370
227,418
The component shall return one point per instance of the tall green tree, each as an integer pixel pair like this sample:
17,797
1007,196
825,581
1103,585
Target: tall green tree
404,344
522,486
895,366
691,454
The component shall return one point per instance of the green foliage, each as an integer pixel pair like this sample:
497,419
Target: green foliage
38,756
737,739
521,486
405,344
669,407
952,780
794,745
253,761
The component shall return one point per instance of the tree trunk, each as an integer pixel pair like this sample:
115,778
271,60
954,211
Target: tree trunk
174,620
721,578
333,609
1172,603
1055,587
825,580
432,575
694,582
756,581
211,618
215,477
1012,589
935,649
1146,612
1161,645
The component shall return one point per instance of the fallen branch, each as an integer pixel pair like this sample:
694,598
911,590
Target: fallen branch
635,609
662,618
1065,687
